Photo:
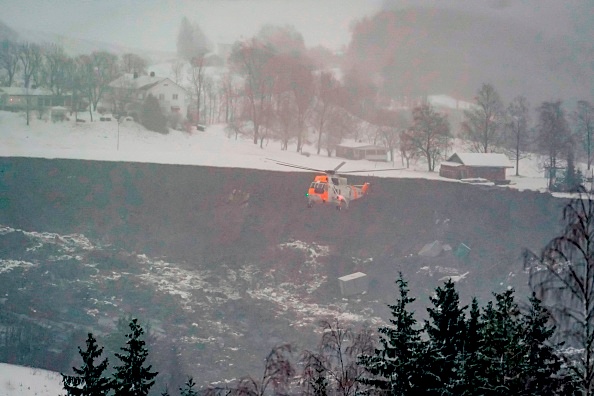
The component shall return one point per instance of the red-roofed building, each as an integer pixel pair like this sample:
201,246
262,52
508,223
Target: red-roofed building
490,166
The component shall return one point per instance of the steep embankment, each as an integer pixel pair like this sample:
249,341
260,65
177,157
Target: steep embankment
228,278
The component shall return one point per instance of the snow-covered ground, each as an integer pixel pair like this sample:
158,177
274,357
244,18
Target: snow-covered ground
129,141
26,381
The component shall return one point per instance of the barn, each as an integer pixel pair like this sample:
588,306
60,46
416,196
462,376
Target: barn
359,151
490,166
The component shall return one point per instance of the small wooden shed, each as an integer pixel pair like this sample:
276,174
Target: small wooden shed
490,166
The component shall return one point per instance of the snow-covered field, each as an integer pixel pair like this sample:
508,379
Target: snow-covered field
26,381
129,141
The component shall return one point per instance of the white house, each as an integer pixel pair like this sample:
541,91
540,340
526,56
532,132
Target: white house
129,91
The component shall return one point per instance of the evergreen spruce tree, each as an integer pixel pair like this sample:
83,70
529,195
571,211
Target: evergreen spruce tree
468,376
152,116
188,388
132,378
395,368
446,333
542,373
501,353
89,380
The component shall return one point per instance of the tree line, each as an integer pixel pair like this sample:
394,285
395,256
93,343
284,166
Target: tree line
544,345
277,89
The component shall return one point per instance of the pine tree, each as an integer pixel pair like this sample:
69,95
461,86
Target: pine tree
89,380
395,367
132,378
188,389
446,332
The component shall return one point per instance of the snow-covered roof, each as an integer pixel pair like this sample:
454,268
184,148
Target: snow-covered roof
141,82
481,159
449,102
22,91
359,145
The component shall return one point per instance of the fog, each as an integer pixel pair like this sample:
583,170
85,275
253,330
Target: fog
153,24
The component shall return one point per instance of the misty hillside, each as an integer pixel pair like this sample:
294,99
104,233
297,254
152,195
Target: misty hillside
76,46
7,33
419,50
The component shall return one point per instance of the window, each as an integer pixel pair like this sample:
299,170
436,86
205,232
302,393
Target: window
174,96
161,96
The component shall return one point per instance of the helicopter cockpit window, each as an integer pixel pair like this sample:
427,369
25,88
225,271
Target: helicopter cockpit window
319,188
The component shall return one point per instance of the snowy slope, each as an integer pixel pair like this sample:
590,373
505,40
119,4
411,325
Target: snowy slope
27,381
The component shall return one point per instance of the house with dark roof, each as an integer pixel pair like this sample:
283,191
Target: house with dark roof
128,92
359,151
489,166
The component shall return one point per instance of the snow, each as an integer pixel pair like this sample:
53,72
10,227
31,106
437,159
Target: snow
130,142
27,381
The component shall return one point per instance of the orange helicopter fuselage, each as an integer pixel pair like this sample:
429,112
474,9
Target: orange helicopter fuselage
333,189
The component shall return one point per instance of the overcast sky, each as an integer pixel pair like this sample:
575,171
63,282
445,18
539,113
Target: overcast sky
153,24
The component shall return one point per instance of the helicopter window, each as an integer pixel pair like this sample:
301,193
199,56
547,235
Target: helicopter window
319,188
335,180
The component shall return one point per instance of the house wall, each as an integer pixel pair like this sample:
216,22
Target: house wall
467,172
166,92
489,173
375,155
372,154
19,102
451,172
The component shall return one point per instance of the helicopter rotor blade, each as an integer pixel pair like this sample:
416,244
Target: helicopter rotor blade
339,165
372,170
296,166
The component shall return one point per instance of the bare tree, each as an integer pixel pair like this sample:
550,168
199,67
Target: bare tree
408,152
563,278
97,71
229,97
482,126
196,78
9,59
428,134
303,91
391,124
326,88
56,69
553,135
250,58
335,366
177,68
518,134
132,63
30,56
583,118
277,374
284,110
340,124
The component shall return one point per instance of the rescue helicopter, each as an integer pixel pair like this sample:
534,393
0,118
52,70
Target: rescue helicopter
330,187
